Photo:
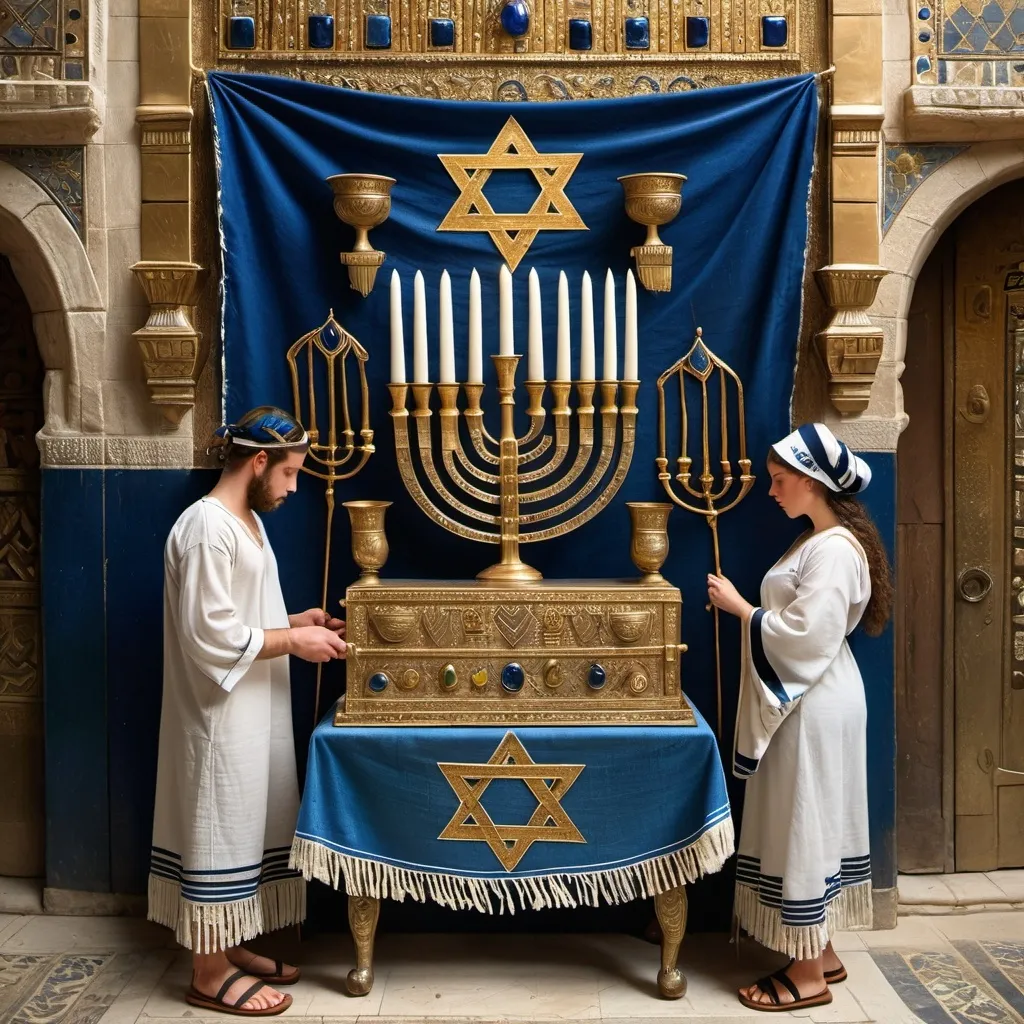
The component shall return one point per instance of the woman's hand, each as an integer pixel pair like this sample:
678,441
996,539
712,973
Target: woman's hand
724,595
317,617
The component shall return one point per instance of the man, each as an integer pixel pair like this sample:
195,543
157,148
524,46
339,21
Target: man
227,795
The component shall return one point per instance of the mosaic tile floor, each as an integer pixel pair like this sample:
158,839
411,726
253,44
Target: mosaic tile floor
954,969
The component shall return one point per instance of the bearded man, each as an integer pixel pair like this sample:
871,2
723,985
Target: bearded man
227,794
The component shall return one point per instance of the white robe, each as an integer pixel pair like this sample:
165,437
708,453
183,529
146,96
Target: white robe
227,794
803,867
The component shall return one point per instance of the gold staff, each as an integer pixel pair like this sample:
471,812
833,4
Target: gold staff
701,363
330,345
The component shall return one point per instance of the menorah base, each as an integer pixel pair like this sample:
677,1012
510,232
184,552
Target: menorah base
510,572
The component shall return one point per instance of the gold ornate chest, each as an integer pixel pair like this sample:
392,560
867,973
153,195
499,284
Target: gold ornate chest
469,653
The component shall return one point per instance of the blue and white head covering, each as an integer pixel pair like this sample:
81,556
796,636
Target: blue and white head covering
816,452
269,431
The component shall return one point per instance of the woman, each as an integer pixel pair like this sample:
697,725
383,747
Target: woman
803,868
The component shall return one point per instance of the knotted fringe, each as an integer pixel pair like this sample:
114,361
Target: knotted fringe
209,927
618,885
850,909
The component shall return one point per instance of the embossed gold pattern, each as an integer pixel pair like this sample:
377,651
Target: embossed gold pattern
549,823
512,233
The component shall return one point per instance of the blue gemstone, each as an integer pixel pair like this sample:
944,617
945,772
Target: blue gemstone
330,337
698,32
925,13
378,682
580,35
924,36
923,64
513,677
378,32
241,33
442,32
774,31
638,34
596,677
515,18
699,359
321,31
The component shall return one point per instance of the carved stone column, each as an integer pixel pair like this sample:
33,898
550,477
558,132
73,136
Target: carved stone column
171,350
171,353
850,345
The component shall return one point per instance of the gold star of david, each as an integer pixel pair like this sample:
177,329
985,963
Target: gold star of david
512,233
510,842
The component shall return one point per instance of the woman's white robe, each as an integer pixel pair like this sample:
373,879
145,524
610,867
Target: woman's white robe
227,794
803,866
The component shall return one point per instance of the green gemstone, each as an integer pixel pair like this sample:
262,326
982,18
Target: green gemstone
448,677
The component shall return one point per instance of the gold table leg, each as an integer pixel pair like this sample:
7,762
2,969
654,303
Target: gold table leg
671,909
363,912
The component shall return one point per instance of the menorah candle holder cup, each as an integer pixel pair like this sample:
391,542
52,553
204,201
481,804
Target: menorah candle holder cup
363,201
653,199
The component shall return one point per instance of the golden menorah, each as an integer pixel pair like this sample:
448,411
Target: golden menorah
715,491
510,471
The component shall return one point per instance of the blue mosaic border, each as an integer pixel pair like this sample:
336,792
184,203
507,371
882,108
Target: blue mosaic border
59,171
906,167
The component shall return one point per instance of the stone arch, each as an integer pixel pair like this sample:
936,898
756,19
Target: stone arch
932,208
68,315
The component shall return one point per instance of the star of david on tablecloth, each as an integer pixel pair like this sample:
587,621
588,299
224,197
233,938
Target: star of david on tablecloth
549,823
512,233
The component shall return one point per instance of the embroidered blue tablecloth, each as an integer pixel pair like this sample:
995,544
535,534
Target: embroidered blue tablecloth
478,817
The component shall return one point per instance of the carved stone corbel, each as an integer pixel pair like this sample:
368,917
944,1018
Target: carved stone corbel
850,345
172,356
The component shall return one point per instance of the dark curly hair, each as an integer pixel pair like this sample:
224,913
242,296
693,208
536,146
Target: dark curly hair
852,515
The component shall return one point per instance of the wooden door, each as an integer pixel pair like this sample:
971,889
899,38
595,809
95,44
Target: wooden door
987,568
21,677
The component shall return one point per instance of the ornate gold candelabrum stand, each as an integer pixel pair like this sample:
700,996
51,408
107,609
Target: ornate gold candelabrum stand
515,487
320,362
362,201
713,495
653,199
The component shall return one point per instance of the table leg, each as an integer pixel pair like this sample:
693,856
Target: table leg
671,908
363,912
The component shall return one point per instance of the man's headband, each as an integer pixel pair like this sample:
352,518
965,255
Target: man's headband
267,432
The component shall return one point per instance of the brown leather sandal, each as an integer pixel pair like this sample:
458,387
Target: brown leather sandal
277,976
831,977
217,1003
767,986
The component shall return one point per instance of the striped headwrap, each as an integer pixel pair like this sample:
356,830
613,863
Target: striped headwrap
816,452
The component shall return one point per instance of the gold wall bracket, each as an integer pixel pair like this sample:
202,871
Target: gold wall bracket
850,345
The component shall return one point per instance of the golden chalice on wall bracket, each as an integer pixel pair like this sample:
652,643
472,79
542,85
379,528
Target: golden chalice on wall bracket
363,201
653,199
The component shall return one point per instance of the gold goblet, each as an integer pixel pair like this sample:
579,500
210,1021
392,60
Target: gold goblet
363,201
653,199
648,546
369,541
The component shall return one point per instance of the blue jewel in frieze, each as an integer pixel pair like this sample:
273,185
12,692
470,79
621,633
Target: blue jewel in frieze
774,31
321,31
513,677
515,18
638,34
698,32
378,682
241,33
596,677
581,36
378,32
442,32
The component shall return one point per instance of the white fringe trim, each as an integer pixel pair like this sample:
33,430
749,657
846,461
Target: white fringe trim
618,885
210,927
850,909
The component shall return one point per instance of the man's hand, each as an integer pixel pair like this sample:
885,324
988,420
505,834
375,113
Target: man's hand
316,643
317,617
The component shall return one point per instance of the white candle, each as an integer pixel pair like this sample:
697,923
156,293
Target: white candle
397,335
420,373
447,332
629,369
563,369
611,354
535,352
587,359
476,332
506,343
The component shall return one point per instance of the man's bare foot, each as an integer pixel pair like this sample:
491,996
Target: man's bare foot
830,963
806,976
261,966
208,982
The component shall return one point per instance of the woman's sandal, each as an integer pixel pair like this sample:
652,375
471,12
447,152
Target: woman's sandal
831,977
767,986
277,976
217,1003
